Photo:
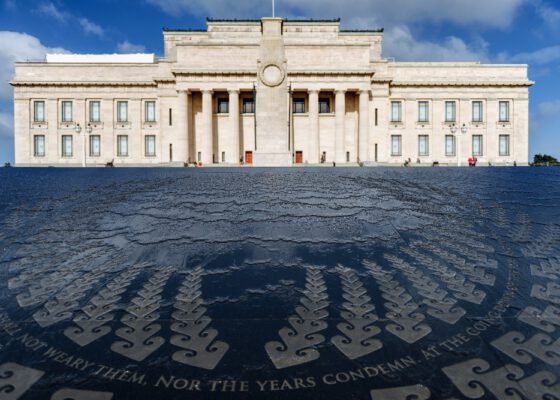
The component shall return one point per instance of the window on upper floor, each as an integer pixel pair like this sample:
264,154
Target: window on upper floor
249,106
122,111
67,113
150,111
223,106
298,106
504,111
324,106
95,111
450,111
423,111
477,110
396,111
39,111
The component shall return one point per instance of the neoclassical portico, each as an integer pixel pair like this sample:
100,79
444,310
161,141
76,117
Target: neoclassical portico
268,92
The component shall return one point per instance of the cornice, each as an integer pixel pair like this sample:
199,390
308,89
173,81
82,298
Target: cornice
84,84
489,83
238,72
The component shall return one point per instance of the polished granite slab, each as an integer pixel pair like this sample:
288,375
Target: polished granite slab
340,283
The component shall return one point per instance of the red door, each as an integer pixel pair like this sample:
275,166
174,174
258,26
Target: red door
249,157
299,157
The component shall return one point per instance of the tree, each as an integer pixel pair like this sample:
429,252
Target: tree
545,159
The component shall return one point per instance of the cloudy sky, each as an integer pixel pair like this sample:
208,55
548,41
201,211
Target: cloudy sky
511,31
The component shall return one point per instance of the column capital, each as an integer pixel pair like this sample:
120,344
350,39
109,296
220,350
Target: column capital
364,91
313,91
233,91
207,91
340,91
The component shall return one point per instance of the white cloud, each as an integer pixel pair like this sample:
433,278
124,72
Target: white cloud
129,48
549,108
482,13
91,27
541,56
15,46
49,9
550,15
400,44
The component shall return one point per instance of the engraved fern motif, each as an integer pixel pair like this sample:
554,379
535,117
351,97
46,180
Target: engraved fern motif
440,305
139,341
359,329
91,323
197,342
67,301
407,320
298,341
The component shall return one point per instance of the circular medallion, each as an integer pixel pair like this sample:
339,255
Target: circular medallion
272,75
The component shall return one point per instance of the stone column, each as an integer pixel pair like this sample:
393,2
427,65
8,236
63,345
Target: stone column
363,141
207,131
181,146
340,117
234,123
313,156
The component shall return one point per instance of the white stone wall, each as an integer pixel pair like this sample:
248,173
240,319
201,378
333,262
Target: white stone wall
319,57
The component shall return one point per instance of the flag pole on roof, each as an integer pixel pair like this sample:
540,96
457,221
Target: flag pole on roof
273,9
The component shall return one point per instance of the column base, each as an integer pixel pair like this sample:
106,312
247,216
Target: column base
272,159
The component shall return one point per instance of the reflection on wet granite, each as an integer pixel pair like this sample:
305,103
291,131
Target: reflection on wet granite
382,284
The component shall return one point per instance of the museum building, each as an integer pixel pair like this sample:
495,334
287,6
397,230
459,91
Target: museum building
268,92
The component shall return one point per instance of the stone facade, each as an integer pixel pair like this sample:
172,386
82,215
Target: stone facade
270,92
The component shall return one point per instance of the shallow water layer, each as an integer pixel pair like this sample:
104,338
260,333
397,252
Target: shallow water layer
279,283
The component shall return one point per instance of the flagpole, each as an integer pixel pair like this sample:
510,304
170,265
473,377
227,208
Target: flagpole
273,10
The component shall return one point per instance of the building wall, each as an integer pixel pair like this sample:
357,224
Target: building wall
319,57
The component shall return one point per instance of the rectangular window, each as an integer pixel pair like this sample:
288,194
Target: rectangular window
150,111
39,146
396,111
450,145
299,106
477,111
504,145
423,145
67,146
94,111
223,106
504,111
324,106
376,117
423,111
94,146
122,111
223,156
396,148
122,145
450,111
67,111
170,117
150,145
248,106
39,111
477,145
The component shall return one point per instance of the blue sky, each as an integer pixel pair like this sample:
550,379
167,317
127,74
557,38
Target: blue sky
516,31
